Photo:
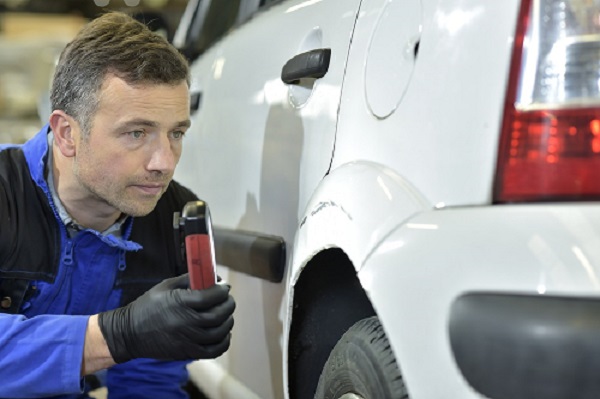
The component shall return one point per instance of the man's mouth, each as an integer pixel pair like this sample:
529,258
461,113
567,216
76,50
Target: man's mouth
150,189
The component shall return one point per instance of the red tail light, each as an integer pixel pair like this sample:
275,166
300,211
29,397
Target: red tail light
550,142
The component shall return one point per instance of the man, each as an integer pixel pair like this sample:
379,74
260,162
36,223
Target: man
86,210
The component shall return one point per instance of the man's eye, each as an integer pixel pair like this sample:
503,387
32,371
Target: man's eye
177,135
137,134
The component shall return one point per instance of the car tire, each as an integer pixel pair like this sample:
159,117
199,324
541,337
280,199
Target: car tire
362,365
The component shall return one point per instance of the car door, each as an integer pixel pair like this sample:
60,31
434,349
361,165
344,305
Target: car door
258,147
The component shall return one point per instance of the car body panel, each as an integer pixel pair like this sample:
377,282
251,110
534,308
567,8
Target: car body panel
286,149
443,136
256,168
439,255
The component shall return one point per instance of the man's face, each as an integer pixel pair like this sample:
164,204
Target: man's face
134,144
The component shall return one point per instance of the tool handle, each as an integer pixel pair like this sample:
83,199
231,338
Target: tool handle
200,261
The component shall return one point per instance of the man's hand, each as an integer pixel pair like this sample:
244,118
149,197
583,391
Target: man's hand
171,322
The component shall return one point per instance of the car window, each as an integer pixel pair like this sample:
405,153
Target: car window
265,3
212,19
220,17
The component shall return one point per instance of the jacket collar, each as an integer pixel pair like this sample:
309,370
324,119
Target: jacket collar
36,154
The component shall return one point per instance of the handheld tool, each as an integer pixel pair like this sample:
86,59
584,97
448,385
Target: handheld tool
194,238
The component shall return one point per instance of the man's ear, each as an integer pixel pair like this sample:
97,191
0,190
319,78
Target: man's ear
65,130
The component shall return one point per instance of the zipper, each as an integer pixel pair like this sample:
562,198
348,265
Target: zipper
67,258
122,265
61,272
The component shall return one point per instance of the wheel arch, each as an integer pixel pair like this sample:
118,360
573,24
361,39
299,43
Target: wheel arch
329,299
352,210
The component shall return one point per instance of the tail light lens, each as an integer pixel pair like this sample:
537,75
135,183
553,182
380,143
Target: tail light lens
550,141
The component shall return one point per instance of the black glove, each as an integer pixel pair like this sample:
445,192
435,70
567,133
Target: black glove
171,322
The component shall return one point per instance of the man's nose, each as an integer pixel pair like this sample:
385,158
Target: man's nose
163,158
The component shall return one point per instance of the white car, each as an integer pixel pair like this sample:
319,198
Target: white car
404,193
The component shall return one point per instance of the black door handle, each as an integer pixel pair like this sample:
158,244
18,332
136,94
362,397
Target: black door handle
312,64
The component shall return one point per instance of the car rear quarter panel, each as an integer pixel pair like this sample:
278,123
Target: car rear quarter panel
443,135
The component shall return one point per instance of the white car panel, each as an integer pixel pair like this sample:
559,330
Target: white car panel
258,148
443,136
388,69
355,217
270,133
439,255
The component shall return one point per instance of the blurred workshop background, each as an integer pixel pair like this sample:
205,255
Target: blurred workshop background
32,34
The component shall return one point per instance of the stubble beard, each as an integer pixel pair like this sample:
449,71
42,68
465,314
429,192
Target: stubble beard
105,189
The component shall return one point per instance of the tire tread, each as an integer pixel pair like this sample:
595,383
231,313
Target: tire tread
367,341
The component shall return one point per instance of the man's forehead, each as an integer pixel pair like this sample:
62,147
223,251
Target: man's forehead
113,83
148,105
118,96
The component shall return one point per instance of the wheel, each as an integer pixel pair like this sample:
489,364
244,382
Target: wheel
362,366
